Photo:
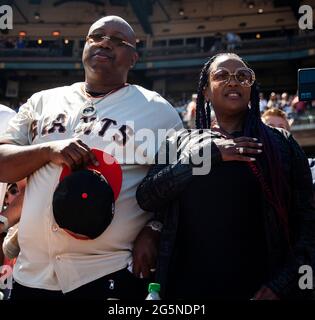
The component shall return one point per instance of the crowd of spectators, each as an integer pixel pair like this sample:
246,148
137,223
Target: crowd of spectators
22,45
294,109
290,104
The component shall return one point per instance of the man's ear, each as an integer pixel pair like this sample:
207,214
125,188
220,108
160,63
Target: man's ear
134,59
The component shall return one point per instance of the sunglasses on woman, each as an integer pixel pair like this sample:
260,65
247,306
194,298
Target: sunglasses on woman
244,76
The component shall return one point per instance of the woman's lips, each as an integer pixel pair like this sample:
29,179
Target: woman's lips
233,95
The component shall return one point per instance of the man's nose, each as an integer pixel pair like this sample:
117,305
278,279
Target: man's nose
106,43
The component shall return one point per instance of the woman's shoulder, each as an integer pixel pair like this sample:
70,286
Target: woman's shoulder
278,132
281,137
182,135
285,142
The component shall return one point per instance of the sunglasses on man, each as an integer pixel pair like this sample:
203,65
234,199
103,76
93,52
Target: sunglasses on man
117,42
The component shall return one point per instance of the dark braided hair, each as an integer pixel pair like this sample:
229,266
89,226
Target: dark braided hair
202,120
268,169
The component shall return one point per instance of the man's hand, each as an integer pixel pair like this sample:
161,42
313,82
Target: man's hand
265,294
18,162
71,152
145,252
238,149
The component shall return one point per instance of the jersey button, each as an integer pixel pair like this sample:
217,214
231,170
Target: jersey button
54,228
58,258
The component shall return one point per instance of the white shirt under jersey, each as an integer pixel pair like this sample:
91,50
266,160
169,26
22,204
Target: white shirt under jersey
5,115
49,257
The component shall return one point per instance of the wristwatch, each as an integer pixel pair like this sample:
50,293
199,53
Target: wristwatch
5,222
155,225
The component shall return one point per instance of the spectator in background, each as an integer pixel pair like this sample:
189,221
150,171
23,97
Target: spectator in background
2,43
298,106
217,44
10,43
20,44
11,248
191,112
5,115
13,207
285,103
232,40
262,102
273,101
276,118
12,192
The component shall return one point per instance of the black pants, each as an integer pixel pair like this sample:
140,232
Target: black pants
120,285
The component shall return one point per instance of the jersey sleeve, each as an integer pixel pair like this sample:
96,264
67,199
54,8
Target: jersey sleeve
18,130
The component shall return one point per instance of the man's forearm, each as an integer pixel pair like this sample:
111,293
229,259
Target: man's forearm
18,162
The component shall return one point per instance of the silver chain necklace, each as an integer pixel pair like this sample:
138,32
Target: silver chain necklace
89,107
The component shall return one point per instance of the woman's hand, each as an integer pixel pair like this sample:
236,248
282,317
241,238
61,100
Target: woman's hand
238,149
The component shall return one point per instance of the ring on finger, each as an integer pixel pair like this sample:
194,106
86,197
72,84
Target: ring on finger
240,150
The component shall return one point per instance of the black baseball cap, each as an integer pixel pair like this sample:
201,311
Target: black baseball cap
84,200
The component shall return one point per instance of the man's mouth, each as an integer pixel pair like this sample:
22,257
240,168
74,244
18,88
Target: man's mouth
102,56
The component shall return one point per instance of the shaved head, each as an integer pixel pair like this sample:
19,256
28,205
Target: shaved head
109,53
122,25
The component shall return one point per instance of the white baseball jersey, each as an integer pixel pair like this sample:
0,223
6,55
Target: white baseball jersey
5,115
50,258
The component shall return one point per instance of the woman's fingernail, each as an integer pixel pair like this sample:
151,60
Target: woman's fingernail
259,151
260,144
252,159
255,139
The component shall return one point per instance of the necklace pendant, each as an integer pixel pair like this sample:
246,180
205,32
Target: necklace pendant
89,109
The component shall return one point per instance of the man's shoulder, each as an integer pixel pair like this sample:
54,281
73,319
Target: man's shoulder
64,90
153,104
149,95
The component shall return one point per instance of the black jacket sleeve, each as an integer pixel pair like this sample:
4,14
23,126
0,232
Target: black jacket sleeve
164,183
303,248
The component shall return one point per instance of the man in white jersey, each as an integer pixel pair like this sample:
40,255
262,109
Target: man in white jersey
5,115
59,127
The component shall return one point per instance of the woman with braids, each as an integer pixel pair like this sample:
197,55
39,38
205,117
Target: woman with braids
243,230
